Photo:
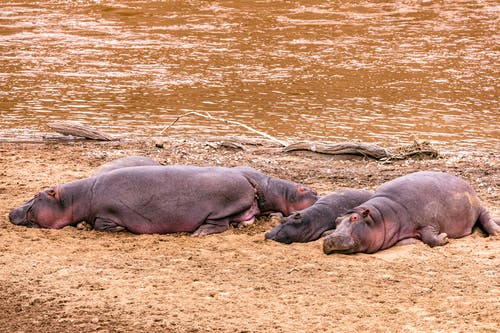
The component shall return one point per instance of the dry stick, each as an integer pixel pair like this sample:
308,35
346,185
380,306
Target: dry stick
209,116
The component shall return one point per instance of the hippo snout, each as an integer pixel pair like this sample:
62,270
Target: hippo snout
278,234
16,216
271,234
282,233
339,243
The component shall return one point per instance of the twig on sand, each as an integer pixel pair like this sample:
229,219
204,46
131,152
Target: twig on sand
232,122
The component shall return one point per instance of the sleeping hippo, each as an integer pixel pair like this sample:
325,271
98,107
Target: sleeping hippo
278,195
430,206
309,224
275,194
125,162
158,199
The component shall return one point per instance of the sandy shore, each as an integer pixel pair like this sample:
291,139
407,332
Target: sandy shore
73,280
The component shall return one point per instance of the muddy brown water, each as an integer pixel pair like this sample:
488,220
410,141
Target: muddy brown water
384,71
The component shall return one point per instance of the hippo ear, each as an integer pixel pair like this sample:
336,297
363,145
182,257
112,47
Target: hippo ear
301,189
365,213
297,216
52,192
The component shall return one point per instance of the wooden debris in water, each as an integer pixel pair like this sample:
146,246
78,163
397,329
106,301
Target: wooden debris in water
78,129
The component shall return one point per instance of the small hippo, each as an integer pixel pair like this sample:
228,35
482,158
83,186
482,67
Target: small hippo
426,205
125,162
309,224
153,199
278,195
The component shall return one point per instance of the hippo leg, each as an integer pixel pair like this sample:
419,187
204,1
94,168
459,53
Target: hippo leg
488,224
327,232
406,241
432,238
103,224
212,227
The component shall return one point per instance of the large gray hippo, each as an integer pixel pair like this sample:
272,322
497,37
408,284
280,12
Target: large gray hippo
309,224
430,206
162,199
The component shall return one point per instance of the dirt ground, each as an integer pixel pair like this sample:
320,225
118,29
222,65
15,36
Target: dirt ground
73,280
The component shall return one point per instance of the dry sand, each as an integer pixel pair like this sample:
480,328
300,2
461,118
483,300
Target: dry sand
73,280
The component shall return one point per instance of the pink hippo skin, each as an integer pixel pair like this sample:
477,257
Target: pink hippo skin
430,206
149,199
309,224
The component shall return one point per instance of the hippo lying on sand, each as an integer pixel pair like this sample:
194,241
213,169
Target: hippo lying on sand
430,206
125,162
309,224
160,199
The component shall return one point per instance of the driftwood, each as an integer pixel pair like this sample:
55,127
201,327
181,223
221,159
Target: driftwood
78,129
421,150
341,148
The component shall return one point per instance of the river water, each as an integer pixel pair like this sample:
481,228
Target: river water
378,71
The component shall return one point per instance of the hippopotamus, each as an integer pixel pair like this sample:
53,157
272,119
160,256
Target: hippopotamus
278,195
427,205
159,199
125,162
309,224
275,194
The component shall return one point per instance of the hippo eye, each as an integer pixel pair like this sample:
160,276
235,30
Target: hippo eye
354,218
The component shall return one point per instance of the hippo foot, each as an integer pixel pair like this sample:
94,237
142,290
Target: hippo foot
432,238
83,226
443,238
207,229
439,240
494,228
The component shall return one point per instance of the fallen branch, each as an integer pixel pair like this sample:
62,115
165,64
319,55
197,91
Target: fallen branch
421,150
78,129
342,148
232,122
